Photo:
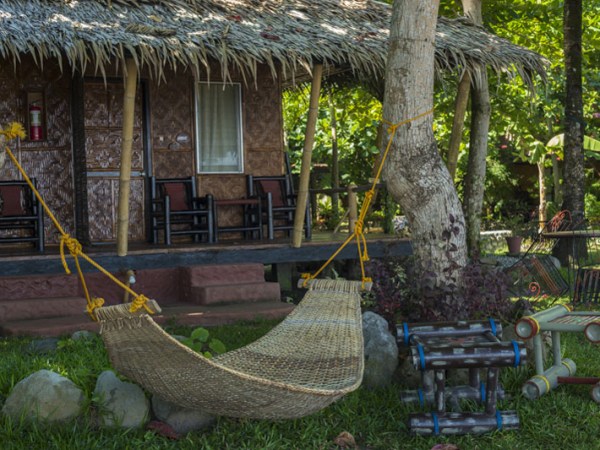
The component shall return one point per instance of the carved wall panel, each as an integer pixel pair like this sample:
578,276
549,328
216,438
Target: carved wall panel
172,133
103,105
103,216
48,160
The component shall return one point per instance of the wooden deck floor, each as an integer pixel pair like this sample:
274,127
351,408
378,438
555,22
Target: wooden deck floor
22,261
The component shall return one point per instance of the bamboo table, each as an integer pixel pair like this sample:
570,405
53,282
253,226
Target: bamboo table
557,319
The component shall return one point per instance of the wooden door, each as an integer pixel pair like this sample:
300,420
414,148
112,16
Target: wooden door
103,111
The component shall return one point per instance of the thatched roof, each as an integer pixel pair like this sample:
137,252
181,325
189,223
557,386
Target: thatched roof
240,34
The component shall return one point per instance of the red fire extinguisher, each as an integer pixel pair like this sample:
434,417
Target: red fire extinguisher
35,122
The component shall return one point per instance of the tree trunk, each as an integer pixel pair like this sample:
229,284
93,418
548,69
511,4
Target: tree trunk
335,163
480,124
415,174
574,188
542,191
475,178
458,122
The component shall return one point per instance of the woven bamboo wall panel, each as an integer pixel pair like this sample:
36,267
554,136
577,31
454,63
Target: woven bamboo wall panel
263,130
264,163
104,105
103,214
173,164
172,132
225,187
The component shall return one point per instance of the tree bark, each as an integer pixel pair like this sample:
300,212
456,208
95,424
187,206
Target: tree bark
415,174
309,140
574,180
574,189
480,124
458,122
475,178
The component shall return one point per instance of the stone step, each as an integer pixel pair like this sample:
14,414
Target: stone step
180,313
39,308
235,293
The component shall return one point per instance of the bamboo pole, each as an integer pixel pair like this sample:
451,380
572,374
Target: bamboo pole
130,80
309,139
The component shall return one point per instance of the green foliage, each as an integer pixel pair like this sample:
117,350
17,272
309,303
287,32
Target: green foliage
357,116
200,342
376,418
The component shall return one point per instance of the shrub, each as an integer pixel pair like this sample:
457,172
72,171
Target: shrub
396,294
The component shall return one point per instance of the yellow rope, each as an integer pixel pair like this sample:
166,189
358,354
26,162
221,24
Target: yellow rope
15,130
361,241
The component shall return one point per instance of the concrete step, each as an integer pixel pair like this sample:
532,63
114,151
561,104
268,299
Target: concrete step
235,293
39,308
180,313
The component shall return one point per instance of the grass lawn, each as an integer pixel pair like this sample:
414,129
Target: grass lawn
564,419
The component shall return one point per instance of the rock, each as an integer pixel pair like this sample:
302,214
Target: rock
120,403
45,395
82,335
41,346
381,351
182,420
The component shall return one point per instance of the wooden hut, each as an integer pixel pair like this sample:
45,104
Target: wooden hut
208,71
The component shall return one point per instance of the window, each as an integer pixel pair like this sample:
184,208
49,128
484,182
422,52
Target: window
219,128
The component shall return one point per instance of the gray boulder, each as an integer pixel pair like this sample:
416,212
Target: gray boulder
120,404
182,420
45,395
82,335
381,351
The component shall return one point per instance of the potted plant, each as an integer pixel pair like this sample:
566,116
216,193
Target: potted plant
516,224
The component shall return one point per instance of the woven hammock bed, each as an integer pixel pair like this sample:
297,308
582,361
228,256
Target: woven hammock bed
311,359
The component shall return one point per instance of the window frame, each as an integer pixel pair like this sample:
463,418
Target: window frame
240,128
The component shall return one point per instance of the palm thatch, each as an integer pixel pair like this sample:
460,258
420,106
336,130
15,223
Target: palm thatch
346,35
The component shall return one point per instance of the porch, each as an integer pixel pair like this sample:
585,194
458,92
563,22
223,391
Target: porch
37,298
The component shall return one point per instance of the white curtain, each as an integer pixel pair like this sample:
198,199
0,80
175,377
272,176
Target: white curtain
219,128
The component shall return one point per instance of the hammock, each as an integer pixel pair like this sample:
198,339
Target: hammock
311,359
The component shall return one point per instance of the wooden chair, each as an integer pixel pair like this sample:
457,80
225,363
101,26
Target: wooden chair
279,203
21,216
177,211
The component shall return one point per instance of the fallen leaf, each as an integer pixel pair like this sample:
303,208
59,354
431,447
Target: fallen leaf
345,440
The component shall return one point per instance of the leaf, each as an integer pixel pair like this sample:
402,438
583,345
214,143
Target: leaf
217,346
589,143
200,334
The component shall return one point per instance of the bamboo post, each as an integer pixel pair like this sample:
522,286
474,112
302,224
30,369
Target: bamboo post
352,208
309,139
130,80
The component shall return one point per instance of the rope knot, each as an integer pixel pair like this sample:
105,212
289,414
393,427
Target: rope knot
140,302
74,248
358,227
94,304
72,244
